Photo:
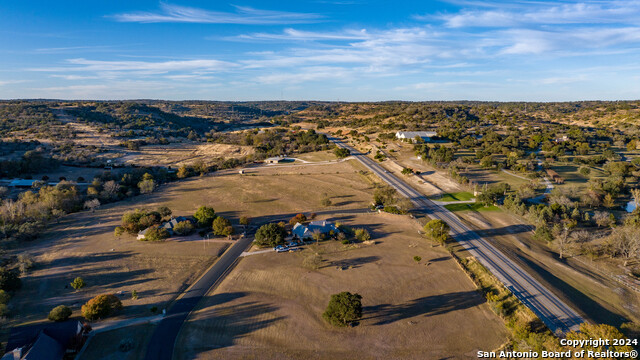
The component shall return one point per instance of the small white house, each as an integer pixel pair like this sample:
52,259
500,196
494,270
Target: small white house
424,135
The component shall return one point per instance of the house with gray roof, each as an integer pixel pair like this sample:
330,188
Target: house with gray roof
306,232
169,225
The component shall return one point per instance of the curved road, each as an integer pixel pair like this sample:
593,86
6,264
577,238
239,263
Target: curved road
557,315
164,337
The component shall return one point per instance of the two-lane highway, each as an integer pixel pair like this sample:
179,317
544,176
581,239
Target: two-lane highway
164,336
557,315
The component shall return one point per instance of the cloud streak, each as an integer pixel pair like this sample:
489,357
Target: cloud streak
244,15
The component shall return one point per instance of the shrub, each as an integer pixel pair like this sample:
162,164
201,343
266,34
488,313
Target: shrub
78,283
183,228
60,313
345,241
393,210
4,310
134,295
270,235
341,152
343,309
4,297
362,235
417,258
101,306
156,233
205,216
126,345
9,280
118,231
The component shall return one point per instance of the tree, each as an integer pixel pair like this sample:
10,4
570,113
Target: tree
60,313
147,186
270,235
600,331
341,152
222,226
92,204
101,306
299,218
437,230
362,235
602,218
563,241
9,279
156,233
244,221
164,211
407,171
183,228
205,216
384,195
343,309
608,201
183,172
78,283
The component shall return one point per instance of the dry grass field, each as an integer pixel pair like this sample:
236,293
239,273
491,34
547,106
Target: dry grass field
83,244
270,306
178,154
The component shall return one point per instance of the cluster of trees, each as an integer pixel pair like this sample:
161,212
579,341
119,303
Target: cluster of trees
140,219
33,161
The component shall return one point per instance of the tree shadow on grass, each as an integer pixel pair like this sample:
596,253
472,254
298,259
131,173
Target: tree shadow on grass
425,306
226,324
353,262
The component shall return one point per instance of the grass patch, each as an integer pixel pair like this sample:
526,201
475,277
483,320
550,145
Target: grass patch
458,196
106,345
473,207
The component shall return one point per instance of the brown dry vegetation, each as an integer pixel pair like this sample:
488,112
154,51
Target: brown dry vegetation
178,154
270,307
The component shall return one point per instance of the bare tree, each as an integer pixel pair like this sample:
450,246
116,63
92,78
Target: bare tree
636,197
602,218
563,241
110,189
625,242
92,204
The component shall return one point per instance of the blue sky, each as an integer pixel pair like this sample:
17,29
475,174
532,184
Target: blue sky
349,50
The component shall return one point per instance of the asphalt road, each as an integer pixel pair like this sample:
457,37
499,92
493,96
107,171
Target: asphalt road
164,337
557,315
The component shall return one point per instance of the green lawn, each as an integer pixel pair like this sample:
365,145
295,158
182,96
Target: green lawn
473,206
458,196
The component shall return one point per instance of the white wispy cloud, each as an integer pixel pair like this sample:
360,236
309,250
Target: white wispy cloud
145,66
298,35
545,13
243,15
